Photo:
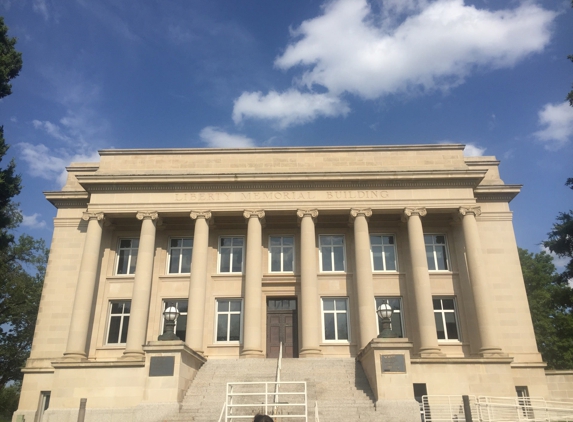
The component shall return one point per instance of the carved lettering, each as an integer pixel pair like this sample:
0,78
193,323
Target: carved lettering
340,195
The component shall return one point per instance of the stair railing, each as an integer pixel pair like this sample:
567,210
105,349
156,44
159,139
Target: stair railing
316,412
278,377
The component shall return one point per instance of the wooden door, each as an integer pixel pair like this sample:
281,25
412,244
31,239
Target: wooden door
282,326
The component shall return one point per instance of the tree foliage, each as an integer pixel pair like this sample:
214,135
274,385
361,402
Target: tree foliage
10,60
550,301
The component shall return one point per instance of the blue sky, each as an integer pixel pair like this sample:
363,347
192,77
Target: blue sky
151,74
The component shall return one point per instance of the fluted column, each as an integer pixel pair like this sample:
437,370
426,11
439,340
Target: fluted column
478,281
309,300
421,278
363,270
79,325
252,346
198,281
139,315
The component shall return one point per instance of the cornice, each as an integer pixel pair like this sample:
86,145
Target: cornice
275,150
280,181
68,199
497,193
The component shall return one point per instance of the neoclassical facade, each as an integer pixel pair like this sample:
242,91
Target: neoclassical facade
295,245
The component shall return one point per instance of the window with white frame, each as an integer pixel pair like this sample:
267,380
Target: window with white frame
229,319
181,322
383,249
118,322
281,254
335,319
436,252
127,256
332,253
231,254
446,318
180,251
396,319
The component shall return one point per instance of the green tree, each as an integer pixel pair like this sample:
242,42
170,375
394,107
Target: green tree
10,60
550,300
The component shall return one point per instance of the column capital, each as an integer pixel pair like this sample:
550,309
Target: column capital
143,215
93,216
410,211
200,214
312,212
254,213
476,211
355,212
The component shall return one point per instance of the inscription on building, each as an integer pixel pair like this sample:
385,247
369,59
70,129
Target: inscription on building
279,195
393,363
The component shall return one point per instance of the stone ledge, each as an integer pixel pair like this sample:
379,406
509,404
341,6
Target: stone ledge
98,364
463,361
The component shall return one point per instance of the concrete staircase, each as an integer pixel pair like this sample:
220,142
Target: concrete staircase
338,385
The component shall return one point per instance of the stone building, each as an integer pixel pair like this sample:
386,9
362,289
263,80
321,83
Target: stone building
299,245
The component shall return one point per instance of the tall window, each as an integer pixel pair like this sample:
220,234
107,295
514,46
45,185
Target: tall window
118,322
127,256
281,252
332,253
181,321
446,319
383,252
396,320
231,254
436,252
335,318
180,251
229,316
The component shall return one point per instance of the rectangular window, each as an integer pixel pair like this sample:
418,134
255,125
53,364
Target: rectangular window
281,254
229,319
446,318
181,321
127,256
396,320
231,254
335,318
436,252
180,251
332,253
118,322
383,250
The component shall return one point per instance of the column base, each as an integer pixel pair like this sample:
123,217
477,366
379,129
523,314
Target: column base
252,353
431,353
74,357
492,352
310,353
133,356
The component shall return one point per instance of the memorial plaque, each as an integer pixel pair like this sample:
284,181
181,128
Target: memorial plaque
393,363
161,366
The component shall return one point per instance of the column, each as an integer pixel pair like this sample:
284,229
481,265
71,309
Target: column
478,281
363,270
309,300
421,278
198,281
252,346
79,325
139,315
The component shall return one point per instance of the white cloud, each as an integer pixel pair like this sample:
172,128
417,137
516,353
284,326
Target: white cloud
288,108
558,122
217,138
51,129
33,221
41,7
14,119
472,150
349,50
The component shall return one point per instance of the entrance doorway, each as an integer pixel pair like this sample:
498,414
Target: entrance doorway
282,326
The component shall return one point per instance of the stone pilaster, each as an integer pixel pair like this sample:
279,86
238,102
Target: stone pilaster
309,300
421,279
363,271
478,281
136,334
79,325
252,345
198,281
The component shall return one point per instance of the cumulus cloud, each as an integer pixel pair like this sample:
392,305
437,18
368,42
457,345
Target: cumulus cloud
287,108
216,138
472,150
403,47
557,120
33,221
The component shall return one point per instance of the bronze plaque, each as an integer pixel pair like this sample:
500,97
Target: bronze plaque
393,363
161,366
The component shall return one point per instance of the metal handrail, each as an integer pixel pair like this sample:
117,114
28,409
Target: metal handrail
278,376
316,419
